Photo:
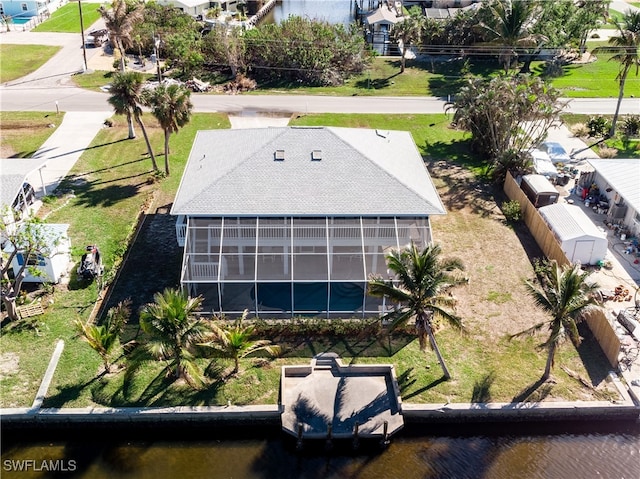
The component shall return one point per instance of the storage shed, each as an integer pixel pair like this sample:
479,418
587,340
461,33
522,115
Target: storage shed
579,238
53,262
539,190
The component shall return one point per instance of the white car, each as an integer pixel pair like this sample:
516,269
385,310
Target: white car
556,152
543,165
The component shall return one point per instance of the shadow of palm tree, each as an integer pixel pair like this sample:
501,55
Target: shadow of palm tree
534,392
69,393
432,384
482,389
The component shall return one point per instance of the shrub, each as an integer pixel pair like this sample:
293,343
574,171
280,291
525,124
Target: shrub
598,126
580,130
511,210
631,125
607,152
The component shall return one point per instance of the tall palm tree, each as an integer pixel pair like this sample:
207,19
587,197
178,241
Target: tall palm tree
173,335
509,26
408,31
126,98
171,105
565,294
120,21
422,280
237,341
626,51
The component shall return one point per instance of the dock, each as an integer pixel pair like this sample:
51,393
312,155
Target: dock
326,399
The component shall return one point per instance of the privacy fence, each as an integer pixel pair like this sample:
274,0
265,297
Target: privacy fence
597,320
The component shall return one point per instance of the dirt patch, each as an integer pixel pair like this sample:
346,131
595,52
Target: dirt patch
495,302
9,365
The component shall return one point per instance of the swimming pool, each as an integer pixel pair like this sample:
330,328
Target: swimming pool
22,20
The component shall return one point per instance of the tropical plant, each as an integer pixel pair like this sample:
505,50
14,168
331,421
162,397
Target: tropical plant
506,115
236,341
598,126
103,338
509,25
422,279
126,98
120,21
173,333
625,49
408,31
30,243
564,293
171,105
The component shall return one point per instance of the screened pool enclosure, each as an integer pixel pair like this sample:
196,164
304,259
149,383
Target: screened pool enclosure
292,265
296,221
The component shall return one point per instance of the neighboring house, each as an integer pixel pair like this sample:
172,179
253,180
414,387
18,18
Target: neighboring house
380,22
23,9
285,221
619,181
17,194
52,263
199,7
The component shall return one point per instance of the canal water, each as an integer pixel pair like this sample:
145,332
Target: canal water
514,451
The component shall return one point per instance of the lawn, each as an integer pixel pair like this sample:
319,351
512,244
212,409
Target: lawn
66,19
20,60
23,132
440,79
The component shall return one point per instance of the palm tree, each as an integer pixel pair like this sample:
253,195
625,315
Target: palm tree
509,26
126,97
120,21
173,335
565,294
237,341
408,31
626,51
171,105
103,338
422,280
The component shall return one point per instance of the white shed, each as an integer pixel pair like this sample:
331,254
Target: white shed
52,264
580,239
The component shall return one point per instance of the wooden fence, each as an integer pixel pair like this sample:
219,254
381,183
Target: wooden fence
597,320
605,334
534,221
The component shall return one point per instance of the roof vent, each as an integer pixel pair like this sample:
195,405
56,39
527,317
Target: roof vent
316,155
278,155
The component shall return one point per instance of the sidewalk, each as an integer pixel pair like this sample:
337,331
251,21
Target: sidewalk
64,147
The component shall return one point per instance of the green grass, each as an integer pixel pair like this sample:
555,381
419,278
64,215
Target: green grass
627,148
108,196
23,132
67,18
110,188
20,60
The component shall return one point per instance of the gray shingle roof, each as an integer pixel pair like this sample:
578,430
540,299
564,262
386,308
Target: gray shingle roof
13,172
361,172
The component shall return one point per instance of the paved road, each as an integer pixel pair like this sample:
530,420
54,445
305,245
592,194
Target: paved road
51,83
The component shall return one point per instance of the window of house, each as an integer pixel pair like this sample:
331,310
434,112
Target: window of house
33,260
24,7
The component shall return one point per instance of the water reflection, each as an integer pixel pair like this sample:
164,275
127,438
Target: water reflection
611,450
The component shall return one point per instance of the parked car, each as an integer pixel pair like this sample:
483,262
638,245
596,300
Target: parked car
543,165
556,152
96,38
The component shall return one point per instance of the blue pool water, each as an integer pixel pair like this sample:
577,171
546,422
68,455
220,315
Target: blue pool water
21,21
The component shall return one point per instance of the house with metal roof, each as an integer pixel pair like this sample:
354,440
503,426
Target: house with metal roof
296,220
619,181
16,192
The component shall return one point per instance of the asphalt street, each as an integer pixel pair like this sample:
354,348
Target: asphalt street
51,86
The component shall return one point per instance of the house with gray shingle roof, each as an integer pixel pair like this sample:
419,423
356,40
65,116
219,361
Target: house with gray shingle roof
296,220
